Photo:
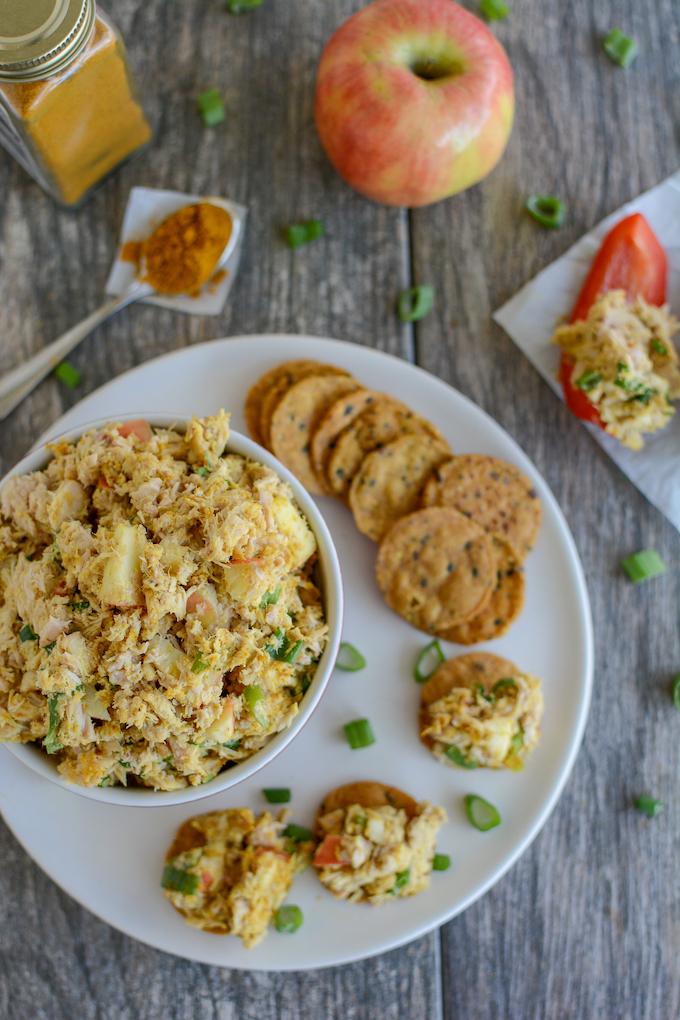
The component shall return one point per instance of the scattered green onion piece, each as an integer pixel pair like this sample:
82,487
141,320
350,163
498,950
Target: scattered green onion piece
455,755
643,565
233,745
401,880
360,820
51,742
415,303
50,648
27,633
494,10
211,107
517,742
620,48
288,919
359,734
253,695
203,471
649,806
179,880
277,795
242,6
270,598
79,607
199,665
292,653
350,658
441,862
547,210
298,833
502,686
675,692
433,651
107,781
298,234
588,381
481,814
658,347
68,374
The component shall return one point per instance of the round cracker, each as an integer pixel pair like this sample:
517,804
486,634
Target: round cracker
295,418
493,493
293,372
436,568
368,793
339,415
289,370
385,420
187,837
504,606
389,483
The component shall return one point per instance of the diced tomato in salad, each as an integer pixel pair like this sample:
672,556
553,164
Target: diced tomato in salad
139,428
326,855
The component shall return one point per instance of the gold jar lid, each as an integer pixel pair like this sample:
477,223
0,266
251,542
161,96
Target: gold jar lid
38,38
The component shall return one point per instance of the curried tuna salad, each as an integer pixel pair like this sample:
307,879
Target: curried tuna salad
159,618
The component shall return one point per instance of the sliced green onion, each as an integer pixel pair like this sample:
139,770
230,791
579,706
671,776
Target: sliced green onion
481,692
242,6
441,862
349,658
199,665
179,880
233,745
517,742
658,347
27,633
493,10
503,686
298,833
277,794
547,210
359,734
481,814
455,755
50,648
415,303
211,107
278,644
643,565
588,381
675,692
79,607
298,234
253,695
51,742
270,598
649,806
202,471
620,48
401,880
288,919
428,662
292,653
68,374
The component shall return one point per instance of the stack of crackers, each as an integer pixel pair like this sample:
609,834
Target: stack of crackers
453,531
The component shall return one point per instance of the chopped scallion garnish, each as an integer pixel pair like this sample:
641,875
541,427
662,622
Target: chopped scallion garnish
203,471
50,647
253,695
588,381
270,598
547,210
51,742
455,755
481,813
68,374
493,10
27,633
179,880
293,652
211,107
415,303
643,565
79,607
298,833
288,919
658,347
649,806
675,692
277,794
620,48
298,234
504,686
349,658
199,665
401,880
359,734
441,862
428,662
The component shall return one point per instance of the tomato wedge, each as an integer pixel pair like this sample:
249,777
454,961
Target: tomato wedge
631,259
327,852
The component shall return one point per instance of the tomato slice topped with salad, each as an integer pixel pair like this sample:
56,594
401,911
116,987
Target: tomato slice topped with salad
631,259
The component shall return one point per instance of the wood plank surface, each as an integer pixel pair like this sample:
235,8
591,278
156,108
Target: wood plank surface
587,924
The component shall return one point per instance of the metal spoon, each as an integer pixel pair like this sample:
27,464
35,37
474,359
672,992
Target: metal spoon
19,382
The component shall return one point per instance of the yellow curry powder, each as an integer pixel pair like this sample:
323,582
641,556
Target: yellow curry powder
183,252
83,123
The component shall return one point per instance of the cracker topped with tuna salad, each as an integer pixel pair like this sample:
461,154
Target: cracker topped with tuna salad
376,844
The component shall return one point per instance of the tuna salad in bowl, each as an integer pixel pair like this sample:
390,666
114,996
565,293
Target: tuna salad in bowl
170,609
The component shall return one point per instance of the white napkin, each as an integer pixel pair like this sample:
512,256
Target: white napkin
145,209
531,315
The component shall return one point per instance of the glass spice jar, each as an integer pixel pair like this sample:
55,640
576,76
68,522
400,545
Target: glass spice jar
68,110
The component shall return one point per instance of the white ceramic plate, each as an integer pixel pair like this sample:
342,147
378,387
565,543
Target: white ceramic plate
110,858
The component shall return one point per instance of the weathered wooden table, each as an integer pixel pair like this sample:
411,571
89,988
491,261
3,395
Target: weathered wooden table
587,924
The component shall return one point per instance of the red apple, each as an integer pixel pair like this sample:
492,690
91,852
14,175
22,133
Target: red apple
414,100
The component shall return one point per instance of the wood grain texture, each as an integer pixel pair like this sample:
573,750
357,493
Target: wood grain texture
587,924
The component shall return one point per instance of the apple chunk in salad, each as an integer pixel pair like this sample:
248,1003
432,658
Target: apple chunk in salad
159,618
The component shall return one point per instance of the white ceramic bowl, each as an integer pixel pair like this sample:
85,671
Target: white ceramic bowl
331,579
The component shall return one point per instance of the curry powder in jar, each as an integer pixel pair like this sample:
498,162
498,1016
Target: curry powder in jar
68,111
